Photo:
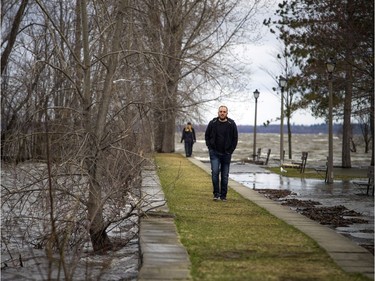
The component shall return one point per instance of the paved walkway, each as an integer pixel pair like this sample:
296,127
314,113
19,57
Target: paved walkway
162,254
158,257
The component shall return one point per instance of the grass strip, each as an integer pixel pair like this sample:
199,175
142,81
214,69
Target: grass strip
237,239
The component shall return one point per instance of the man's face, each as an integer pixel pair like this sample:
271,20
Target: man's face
223,112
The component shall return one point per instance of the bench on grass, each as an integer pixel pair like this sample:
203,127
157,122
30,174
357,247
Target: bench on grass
298,165
370,181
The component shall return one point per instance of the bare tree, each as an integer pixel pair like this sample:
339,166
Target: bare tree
185,39
11,37
292,99
73,113
83,80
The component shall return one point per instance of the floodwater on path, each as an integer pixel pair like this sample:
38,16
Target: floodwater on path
340,193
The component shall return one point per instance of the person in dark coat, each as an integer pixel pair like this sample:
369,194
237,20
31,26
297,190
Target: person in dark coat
221,139
188,136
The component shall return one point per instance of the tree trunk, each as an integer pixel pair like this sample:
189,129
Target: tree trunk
372,125
13,35
289,137
167,99
168,142
366,137
97,229
288,117
99,238
347,132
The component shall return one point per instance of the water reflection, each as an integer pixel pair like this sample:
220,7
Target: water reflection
301,186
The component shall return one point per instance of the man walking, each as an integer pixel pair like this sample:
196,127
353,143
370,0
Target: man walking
221,139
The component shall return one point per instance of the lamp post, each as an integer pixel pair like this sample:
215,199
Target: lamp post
330,65
282,84
256,96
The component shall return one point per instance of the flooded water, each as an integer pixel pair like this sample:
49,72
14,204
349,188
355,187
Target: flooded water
339,193
315,145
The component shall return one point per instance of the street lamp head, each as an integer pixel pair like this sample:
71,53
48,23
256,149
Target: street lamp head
330,65
256,94
282,82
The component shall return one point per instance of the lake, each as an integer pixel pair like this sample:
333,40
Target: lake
315,145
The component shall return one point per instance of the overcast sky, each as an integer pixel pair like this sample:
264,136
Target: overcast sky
241,109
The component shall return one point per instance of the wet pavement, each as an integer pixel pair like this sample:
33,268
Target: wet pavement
343,193
163,256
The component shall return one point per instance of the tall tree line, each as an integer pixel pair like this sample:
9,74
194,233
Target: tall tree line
91,88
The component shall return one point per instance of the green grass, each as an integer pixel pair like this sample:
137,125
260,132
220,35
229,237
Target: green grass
237,240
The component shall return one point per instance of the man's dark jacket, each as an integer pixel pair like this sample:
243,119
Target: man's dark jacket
230,140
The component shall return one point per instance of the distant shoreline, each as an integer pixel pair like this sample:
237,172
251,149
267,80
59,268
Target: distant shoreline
295,129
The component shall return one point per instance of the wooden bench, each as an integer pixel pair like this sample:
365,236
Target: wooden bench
298,165
370,180
324,170
266,159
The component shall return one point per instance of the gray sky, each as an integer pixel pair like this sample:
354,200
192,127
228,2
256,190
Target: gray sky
260,57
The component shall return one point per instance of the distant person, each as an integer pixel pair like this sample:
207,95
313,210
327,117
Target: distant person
221,139
188,136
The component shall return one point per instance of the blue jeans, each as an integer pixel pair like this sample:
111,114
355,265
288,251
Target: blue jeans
188,148
220,165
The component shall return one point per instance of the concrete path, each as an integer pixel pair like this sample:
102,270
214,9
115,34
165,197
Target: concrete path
164,257
162,254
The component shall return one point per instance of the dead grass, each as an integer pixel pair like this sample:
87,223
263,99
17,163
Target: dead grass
237,240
